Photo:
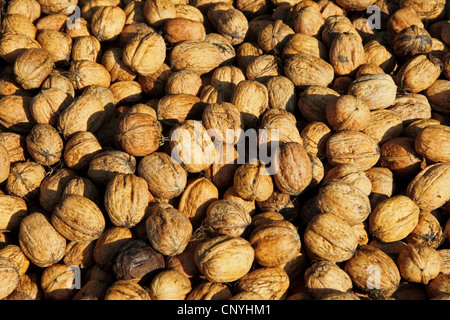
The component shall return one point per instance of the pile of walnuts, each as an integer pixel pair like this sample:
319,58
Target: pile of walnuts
119,178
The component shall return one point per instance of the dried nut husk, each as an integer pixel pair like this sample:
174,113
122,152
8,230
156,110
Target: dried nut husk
169,285
13,209
136,260
394,218
108,245
383,125
351,174
80,149
29,8
173,109
324,278
352,147
210,291
252,99
9,277
44,144
433,143
439,287
419,263
308,20
52,187
59,81
126,198
195,199
379,53
281,93
184,81
107,22
252,181
184,29
427,189
139,134
25,179
15,146
111,59
412,41
82,186
437,94
271,283
378,91
277,126
166,179
191,146
145,53
345,200
227,217
274,37
275,242
168,230
348,112
80,254
126,290
403,18
12,45
78,218
57,43
329,237
417,74
344,61
221,171
47,105
18,23
223,121
263,68
362,267
105,164
428,231
85,73
308,70
86,48
32,66
15,113
313,101
224,258
294,171
39,240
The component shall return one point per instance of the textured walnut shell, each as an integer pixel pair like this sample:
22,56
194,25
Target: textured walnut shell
85,73
28,288
277,126
428,231
112,61
79,254
432,143
28,8
400,156
246,53
263,68
380,53
411,107
344,61
273,37
412,41
438,288
92,290
6,163
427,11
275,242
438,96
168,230
329,237
378,91
344,200
419,263
227,217
78,218
196,197
415,127
59,81
18,23
13,209
280,202
158,12
15,253
352,147
15,113
57,43
82,186
427,189
184,262
14,44
210,291
126,290
252,99
252,182
233,25
348,112
40,241
25,179
281,93
394,218
308,70
383,125
355,5
313,101
403,18
9,277
107,22
105,164
335,25
166,179
369,258
271,283
351,174
221,171
294,171
417,74
323,278
184,81
126,92
15,146
32,67
183,29
308,20
80,149
109,244
170,285
47,105
223,122
224,258
52,187
44,144
175,108
305,44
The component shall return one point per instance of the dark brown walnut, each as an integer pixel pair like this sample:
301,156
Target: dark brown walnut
78,218
412,41
39,240
126,198
366,258
25,179
105,164
52,187
44,144
107,246
227,217
135,260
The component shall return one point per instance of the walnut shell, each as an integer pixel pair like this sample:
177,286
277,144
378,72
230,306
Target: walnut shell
57,43
419,263
223,121
383,125
82,186
184,29
105,164
308,70
92,290
52,187
281,93
308,20
274,36
59,81
170,285
335,25
15,113
184,262
410,79
246,53
439,287
373,271
313,101
78,218
210,291
306,44
184,81
158,12
15,146
431,143
221,171
12,45
126,290
271,283
44,144
80,254
380,53
25,179
348,112
427,11
112,61
351,174
85,73
252,182
437,95
13,210
263,68
28,288
173,109
6,163
80,149
227,217
252,99
15,253
403,18
40,241
47,105
378,91
346,62
166,179
29,8
412,41
224,258
107,22
109,244
428,231
9,277
277,126
400,156
18,23
86,48
414,128
394,218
